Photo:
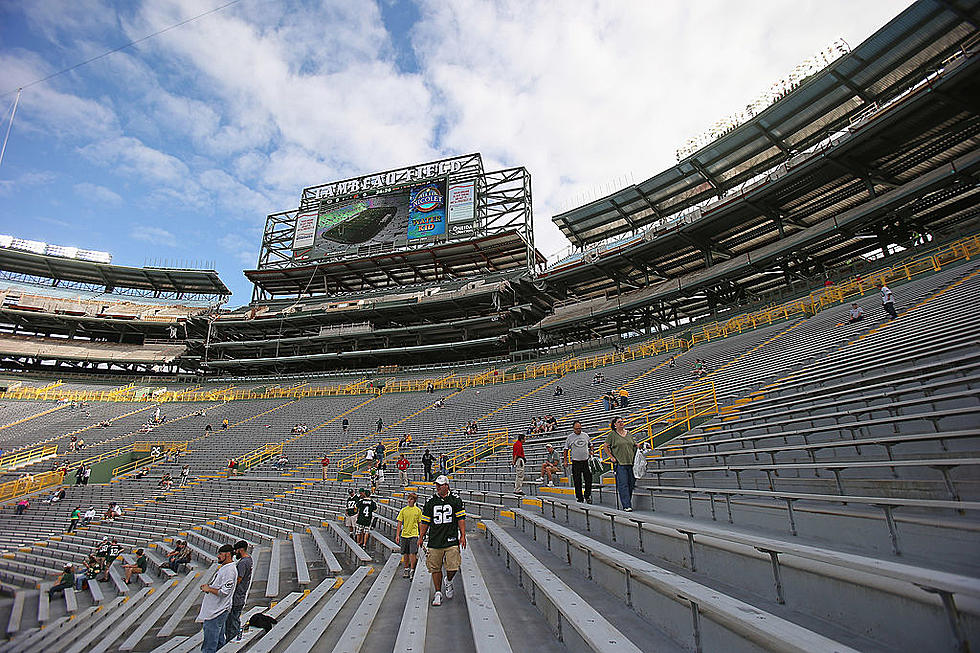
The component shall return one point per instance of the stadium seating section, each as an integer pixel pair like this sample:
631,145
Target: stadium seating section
831,503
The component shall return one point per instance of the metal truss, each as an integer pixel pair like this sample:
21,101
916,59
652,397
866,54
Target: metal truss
106,289
505,205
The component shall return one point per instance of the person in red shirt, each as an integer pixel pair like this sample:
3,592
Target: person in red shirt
402,465
323,466
519,464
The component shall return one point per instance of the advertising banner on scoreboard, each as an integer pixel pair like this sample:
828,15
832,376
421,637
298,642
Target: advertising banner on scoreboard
461,208
305,233
427,211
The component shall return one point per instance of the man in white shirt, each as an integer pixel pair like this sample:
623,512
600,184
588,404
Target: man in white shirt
887,299
579,448
856,314
218,595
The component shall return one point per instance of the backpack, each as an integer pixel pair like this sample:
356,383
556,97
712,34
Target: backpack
263,621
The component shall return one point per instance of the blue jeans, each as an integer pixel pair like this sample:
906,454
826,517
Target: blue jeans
234,624
214,633
625,482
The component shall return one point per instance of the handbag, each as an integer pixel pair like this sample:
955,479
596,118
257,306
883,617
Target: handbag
595,465
639,463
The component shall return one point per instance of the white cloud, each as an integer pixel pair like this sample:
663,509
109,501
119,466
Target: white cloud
582,92
26,180
153,235
97,194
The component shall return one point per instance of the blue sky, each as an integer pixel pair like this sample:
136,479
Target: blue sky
177,148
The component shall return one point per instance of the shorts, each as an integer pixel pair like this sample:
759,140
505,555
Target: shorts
410,545
351,521
435,559
363,529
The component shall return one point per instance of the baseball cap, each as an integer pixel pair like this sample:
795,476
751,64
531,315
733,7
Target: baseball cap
442,480
226,548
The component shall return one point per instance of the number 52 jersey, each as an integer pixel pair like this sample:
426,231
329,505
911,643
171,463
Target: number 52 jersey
442,515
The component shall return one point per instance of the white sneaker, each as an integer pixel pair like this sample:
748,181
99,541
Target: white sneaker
551,484
405,573
437,599
449,589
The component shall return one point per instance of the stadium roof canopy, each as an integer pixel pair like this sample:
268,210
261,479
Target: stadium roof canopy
114,278
883,66
499,252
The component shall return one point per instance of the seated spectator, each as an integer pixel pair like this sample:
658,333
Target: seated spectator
224,423
141,473
56,496
113,511
856,314
138,567
282,462
207,428
181,555
89,516
551,466
558,391
89,571
102,551
81,443
22,505
66,579
550,423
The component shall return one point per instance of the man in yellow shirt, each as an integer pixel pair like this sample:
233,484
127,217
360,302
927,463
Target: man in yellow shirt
407,534
624,397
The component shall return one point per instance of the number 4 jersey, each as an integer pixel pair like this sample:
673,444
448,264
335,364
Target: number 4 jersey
442,514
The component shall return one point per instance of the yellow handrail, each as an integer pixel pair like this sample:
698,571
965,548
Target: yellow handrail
355,459
928,262
687,404
164,446
30,483
105,455
256,456
25,456
493,440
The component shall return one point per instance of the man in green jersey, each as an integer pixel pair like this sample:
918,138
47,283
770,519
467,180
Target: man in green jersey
444,521
365,515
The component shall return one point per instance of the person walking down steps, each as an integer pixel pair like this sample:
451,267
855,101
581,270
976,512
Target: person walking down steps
444,521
